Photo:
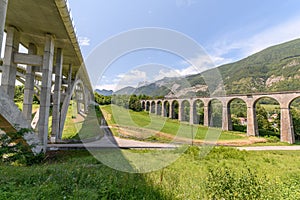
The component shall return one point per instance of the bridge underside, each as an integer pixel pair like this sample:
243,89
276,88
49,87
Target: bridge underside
53,64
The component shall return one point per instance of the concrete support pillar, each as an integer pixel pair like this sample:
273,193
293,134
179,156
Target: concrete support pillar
171,113
86,104
207,115
156,108
163,109
9,67
226,117
46,90
78,99
29,87
252,127
180,111
56,96
3,8
69,79
286,126
150,107
192,113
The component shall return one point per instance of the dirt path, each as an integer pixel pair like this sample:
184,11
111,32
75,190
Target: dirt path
142,134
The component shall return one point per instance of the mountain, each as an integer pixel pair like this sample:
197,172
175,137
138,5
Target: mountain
104,92
276,68
127,90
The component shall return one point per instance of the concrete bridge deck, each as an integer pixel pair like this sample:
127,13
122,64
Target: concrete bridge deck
46,29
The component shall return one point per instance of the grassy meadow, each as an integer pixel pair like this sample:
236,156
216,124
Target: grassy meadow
225,173
118,118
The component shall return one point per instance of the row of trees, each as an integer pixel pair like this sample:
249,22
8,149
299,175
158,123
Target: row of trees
127,101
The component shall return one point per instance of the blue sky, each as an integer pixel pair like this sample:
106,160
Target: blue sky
228,31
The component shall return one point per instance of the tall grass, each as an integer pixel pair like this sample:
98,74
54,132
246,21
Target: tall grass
225,173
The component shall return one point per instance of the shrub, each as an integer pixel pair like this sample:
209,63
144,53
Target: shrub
222,183
15,151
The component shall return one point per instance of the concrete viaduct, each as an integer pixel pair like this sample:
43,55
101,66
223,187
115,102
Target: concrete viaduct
53,68
165,108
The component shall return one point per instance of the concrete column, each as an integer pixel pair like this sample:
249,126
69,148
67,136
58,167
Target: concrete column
167,109
145,109
180,111
226,117
163,109
78,100
286,126
3,8
207,115
252,127
150,107
171,114
156,108
86,104
9,67
29,87
46,89
56,96
192,113
70,79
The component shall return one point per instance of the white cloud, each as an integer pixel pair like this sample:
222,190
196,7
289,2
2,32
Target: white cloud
106,87
84,41
244,47
274,35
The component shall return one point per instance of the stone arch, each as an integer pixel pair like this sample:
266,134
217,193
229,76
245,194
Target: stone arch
147,108
184,111
198,112
166,109
143,104
293,120
174,109
267,119
12,120
237,114
66,103
215,113
80,97
152,107
159,107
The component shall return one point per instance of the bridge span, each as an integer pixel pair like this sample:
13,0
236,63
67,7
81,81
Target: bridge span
53,68
165,108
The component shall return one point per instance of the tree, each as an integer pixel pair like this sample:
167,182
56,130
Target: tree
262,118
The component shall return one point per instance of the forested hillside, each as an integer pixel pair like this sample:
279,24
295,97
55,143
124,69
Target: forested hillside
276,68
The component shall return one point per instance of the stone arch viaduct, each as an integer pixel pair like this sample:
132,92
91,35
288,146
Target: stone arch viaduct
53,68
165,106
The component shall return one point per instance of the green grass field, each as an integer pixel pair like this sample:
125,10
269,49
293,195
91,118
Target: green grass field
225,173
123,117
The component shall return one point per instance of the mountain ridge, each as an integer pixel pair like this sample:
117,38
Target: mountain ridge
276,68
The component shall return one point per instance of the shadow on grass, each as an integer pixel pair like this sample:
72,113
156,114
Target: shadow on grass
73,175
